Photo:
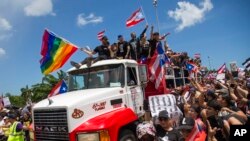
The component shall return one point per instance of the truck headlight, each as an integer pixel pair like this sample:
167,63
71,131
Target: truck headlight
88,137
102,135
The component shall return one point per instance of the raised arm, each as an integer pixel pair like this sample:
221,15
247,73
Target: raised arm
144,31
151,32
89,52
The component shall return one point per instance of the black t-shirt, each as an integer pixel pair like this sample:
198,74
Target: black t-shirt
122,49
102,51
134,49
153,44
145,49
173,135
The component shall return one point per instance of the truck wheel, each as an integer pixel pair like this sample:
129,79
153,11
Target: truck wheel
127,135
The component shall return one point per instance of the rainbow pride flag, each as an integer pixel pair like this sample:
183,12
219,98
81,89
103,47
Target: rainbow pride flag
55,52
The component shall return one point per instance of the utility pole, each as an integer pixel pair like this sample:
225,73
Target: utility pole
209,63
156,14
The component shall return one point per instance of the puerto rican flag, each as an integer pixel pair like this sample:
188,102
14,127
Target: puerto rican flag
222,69
135,18
197,55
100,34
246,64
156,66
60,87
191,67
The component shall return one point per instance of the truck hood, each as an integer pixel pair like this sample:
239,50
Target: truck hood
83,105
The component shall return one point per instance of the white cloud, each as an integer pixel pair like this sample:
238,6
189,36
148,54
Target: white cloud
5,36
39,8
2,52
5,29
81,20
189,14
4,25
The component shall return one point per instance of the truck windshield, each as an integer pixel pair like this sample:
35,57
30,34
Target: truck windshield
97,77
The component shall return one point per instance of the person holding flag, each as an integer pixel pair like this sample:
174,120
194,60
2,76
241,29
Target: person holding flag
55,52
103,51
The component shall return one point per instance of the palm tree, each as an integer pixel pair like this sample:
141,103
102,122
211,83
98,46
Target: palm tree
26,93
41,90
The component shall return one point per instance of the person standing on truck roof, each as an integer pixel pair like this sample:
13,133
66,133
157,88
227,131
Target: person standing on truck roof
123,48
154,39
135,44
103,51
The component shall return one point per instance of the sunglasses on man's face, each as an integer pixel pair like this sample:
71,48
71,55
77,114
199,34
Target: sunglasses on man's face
163,119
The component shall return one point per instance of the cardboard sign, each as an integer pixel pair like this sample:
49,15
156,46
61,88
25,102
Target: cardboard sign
6,101
166,102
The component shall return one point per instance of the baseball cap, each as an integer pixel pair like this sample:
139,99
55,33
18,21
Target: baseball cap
119,36
163,114
187,123
11,116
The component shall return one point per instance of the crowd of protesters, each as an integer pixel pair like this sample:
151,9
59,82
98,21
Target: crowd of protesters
15,124
208,106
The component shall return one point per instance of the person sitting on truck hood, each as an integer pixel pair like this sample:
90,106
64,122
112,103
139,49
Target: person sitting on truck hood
103,51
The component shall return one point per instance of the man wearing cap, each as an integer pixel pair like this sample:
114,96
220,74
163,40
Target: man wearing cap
165,130
16,129
190,131
103,51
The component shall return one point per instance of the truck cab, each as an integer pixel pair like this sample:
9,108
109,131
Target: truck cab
104,103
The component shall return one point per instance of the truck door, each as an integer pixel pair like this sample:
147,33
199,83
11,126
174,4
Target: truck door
134,90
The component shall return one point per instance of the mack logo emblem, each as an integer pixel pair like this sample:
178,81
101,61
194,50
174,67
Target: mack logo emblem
77,113
51,129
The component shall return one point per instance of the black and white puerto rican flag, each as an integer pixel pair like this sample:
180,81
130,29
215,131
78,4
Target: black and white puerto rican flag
246,64
166,102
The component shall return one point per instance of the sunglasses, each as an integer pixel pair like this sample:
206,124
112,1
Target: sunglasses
162,119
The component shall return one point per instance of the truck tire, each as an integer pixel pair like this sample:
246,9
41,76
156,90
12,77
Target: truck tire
127,135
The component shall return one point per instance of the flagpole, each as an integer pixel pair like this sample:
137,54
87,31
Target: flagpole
156,14
209,62
143,12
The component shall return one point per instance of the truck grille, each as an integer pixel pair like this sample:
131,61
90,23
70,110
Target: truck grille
51,124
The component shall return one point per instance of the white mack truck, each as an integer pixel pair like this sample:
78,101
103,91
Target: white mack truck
104,103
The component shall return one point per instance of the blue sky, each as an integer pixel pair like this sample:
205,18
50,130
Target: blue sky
219,29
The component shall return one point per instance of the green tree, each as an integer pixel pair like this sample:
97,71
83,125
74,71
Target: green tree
16,100
41,90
